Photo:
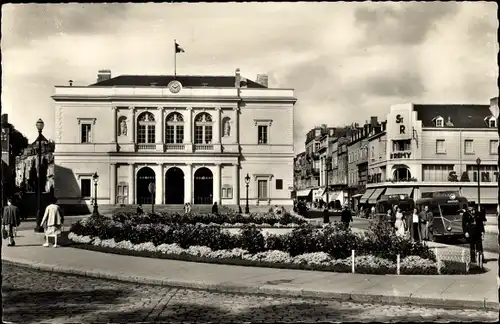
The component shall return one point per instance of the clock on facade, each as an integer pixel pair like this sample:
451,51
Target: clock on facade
175,86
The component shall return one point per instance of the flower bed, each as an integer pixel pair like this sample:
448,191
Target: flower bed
228,219
305,247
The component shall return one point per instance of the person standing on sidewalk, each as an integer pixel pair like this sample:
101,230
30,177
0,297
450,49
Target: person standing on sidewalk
10,220
424,223
469,229
52,222
480,218
416,221
346,216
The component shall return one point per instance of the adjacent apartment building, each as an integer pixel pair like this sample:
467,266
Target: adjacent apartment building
196,138
427,148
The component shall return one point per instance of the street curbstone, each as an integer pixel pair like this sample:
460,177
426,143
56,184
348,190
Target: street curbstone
272,290
281,291
326,295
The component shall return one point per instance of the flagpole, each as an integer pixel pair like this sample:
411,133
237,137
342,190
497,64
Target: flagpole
175,59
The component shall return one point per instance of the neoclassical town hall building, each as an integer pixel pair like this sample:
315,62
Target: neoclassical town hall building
195,137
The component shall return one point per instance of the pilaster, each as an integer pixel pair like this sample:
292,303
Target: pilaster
115,126
236,184
188,184
112,183
131,179
236,125
188,133
132,124
159,178
217,183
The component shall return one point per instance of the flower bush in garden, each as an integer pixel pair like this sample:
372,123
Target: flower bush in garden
328,248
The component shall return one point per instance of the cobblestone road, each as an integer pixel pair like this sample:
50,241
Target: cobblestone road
32,296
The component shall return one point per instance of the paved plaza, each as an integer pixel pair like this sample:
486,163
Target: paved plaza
34,296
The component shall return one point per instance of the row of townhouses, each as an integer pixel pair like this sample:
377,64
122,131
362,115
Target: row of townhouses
417,149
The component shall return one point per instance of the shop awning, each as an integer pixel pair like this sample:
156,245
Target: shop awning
336,195
303,193
357,195
366,195
438,189
374,197
489,195
318,193
399,191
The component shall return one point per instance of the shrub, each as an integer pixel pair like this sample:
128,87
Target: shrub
372,264
252,239
339,241
277,242
417,265
304,239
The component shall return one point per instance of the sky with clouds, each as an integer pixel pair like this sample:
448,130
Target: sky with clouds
346,61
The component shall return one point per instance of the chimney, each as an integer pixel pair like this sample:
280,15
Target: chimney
237,78
103,75
262,79
374,120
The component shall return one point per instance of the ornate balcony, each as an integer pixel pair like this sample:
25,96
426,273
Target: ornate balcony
174,147
145,147
203,147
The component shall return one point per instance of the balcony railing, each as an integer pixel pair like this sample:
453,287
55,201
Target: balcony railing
203,147
174,147
146,147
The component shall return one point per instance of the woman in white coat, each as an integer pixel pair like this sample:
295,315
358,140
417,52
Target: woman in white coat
52,222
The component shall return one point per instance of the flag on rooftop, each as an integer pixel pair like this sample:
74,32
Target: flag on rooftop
178,49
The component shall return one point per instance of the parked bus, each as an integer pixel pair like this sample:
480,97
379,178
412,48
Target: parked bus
445,208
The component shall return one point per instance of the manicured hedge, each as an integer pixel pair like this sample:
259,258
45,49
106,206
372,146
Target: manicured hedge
200,218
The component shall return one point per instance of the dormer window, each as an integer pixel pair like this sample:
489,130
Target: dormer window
439,121
492,122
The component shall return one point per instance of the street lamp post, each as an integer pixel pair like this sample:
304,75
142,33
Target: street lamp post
478,162
247,182
95,177
39,125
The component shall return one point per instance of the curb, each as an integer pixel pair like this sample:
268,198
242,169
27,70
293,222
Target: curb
267,289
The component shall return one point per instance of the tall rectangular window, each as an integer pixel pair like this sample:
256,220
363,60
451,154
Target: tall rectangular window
170,134
262,133
279,184
494,147
122,194
151,134
85,188
86,133
440,147
141,134
262,189
436,172
198,135
179,138
469,147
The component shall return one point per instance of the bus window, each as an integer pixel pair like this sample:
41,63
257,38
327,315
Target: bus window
450,209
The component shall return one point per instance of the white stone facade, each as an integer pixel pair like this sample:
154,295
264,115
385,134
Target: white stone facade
212,141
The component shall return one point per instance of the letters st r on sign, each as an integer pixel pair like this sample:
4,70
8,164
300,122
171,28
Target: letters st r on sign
399,120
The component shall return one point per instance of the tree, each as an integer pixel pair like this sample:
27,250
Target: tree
18,142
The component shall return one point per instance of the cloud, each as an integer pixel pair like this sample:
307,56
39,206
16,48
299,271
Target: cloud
401,23
346,61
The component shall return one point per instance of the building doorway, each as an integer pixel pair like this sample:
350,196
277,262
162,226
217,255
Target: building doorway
203,186
145,176
174,186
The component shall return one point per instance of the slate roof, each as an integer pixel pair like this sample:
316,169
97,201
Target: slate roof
462,116
185,80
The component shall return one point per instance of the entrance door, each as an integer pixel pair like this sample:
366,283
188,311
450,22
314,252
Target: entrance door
145,176
203,186
174,186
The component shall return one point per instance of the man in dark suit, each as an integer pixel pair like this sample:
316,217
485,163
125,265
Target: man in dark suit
10,220
470,232
346,216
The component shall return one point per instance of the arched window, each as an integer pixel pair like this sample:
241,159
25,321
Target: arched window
174,132
146,128
203,129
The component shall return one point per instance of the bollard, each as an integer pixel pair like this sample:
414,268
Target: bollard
438,262
398,263
480,260
463,260
352,261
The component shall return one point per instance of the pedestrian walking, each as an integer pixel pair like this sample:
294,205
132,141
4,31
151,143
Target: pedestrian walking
10,220
480,218
346,216
470,232
52,222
